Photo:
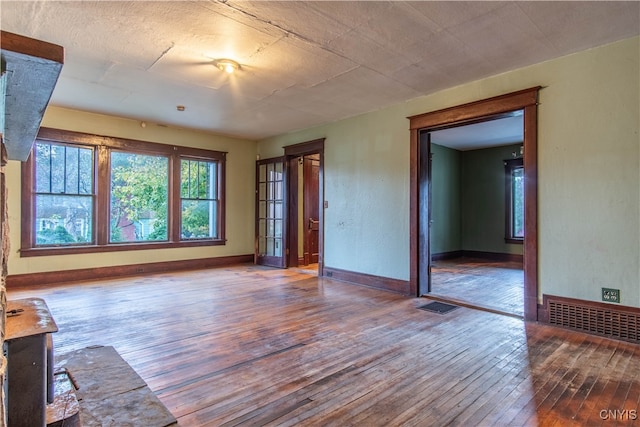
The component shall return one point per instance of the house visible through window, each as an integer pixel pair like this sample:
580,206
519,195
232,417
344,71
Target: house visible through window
83,193
514,204
139,197
64,194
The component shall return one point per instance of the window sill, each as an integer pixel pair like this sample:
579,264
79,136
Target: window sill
517,241
89,249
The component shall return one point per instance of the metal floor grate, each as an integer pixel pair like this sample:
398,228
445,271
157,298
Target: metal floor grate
600,321
438,307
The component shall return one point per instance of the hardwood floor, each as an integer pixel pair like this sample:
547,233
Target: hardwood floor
490,284
249,345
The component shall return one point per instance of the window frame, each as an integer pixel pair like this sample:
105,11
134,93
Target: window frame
509,166
103,145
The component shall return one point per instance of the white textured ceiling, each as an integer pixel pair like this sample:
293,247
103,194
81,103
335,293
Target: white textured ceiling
492,133
303,63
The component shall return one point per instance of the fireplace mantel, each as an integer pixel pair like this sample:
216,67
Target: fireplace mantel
30,71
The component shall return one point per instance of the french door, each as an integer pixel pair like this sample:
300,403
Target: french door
270,212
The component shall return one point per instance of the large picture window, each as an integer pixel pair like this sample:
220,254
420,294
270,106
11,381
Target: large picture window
84,193
514,203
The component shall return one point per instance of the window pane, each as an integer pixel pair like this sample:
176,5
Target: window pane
62,169
63,204
139,194
199,219
43,168
199,192
517,182
63,220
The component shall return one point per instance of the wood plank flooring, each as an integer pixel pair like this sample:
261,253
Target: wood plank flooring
248,345
490,284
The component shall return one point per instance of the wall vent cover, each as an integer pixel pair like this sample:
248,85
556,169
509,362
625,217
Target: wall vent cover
596,320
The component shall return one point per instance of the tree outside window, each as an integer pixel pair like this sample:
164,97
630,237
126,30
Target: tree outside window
85,193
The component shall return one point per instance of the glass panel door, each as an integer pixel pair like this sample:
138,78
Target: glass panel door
270,212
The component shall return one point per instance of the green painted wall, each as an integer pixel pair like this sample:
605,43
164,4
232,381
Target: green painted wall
445,200
588,177
483,200
588,174
468,200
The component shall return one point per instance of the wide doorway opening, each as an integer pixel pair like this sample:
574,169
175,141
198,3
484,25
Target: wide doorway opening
477,213
422,128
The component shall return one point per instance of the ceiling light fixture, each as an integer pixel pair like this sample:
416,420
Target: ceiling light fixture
227,65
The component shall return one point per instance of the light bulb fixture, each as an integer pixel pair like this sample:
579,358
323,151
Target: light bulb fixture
227,65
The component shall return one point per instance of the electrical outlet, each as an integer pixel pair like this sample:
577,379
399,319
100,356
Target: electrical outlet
610,295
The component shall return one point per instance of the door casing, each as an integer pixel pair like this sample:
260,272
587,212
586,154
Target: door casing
292,153
526,100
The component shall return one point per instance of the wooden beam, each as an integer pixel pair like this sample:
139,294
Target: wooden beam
30,71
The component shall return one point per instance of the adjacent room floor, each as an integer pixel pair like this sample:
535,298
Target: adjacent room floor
493,285
248,345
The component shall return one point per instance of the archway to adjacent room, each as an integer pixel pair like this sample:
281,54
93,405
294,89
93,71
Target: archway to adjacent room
420,248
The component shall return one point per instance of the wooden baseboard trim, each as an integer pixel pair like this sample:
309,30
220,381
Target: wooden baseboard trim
491,256
369,280
494,256
54,277
447,255
597,318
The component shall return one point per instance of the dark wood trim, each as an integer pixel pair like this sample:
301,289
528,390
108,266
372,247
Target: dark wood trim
102,145
494,256
491,256
446,255
294,259
473,111
271,260
66,136
531,211
315,146
414,214
522,100
113,247
32,70
543,313
31,47
48,278
518,241
378,282
304,148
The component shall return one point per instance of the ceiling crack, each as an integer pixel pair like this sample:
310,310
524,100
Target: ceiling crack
161,56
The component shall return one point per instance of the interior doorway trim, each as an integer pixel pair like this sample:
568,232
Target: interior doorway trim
526,100
292,152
